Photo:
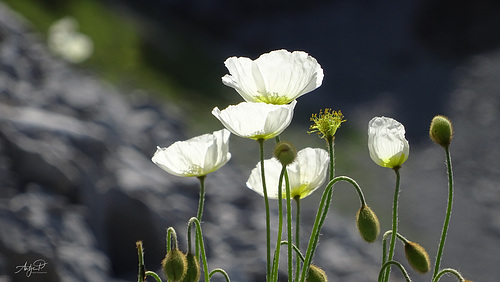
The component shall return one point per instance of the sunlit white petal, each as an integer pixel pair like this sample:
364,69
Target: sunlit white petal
197,156
387,143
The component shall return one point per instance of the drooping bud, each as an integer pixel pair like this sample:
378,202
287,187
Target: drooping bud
368,224
441,131
316,274
285,152
193,269
417,257
174,265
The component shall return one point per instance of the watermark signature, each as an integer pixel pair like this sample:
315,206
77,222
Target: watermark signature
35,267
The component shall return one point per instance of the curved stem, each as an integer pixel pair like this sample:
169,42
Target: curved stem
394,221
266,203
275,266
387,265
154,275
221,271
199,241
448,270
320,219
296,249
384,243
448,213
171,238
202,197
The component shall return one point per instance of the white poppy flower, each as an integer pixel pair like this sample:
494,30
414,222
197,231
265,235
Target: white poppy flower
386,142
306,174
256,120
278,77
197,156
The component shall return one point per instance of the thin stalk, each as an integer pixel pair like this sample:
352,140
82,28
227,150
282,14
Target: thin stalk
140,253
199,240
448,213
387,265
289,227
296,249
451,271
202,197
332,156
275,266
154,275
320,219
266,203
221,271
297,236
394,222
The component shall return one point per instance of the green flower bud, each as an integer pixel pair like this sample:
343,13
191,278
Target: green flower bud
285,152
441,131
368,224
174,265
316,274
193,269
417,257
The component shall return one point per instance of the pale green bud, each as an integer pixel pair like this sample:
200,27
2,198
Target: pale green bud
193,269
441,131
285,152
174,265
417,257
368,224
316,274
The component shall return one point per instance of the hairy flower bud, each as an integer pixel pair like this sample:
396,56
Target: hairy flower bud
193,269
174,265
285,152
316,274
368,224
417,257
441,131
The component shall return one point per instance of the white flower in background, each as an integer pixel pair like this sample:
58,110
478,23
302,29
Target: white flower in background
256,120
65,41
278,77
306,174
386,142
197,156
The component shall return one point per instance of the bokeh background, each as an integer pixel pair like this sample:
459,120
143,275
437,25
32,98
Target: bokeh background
77,131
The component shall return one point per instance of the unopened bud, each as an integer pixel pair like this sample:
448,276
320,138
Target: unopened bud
174,265
285,153
368,224
441,131
417,257
193,269
316,274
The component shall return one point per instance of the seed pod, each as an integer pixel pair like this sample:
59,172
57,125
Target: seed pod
285,152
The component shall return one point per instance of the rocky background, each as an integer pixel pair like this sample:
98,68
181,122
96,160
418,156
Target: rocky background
79,189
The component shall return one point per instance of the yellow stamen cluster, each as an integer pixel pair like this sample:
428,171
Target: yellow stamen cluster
326,123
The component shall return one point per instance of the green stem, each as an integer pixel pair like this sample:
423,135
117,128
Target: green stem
171,239
320,219
275,266
297,236
289,227
394,221
387,265
221,271
266,203
332,157
154,275
202,197
296,249
451,271
199,240
141,276
448,213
